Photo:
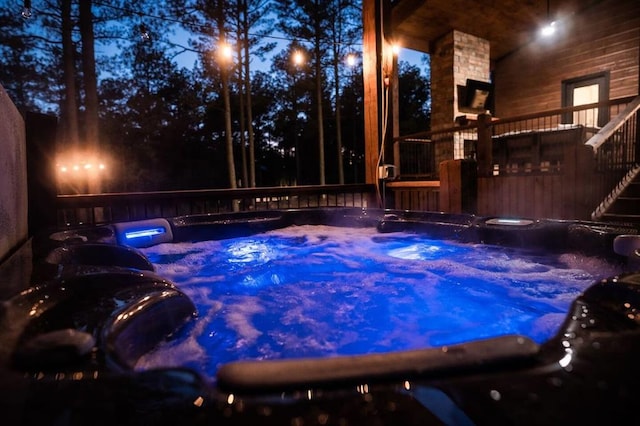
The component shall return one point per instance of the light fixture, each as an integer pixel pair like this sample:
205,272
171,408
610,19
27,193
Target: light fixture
144,33
549,29
26,9
225,52
298,58
351,59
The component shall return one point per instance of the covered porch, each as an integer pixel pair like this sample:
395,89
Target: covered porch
522,146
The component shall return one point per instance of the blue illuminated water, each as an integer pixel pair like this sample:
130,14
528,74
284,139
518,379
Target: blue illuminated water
313,291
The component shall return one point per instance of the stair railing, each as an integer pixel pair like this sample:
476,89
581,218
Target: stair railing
617,154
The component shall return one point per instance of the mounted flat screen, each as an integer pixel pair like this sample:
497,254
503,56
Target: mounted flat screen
476,96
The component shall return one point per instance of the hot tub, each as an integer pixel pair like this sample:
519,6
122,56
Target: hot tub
96,305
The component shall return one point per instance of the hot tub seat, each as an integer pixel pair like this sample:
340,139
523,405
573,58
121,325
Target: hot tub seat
125,312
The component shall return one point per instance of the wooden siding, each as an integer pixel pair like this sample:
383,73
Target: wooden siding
603,37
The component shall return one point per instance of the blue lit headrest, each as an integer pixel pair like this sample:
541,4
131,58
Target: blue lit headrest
144,233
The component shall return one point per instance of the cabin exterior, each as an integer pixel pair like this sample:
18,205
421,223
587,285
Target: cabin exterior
557,135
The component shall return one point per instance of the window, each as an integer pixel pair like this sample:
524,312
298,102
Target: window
583,91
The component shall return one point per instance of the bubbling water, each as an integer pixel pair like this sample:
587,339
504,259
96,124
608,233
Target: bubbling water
315,291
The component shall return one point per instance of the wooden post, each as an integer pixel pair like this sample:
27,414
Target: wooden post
371,57
395,114
484,146
458,186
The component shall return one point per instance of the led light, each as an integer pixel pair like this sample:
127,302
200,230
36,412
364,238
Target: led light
548,30
147,232
351,60
298,57
509,222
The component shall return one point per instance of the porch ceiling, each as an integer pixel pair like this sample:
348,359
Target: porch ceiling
506,24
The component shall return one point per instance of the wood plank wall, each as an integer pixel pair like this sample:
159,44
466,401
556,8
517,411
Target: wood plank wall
603,37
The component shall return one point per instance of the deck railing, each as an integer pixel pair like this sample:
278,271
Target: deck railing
533,165
93,209
524,144
417,156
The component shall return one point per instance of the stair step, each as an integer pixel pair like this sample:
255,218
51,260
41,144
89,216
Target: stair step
621,218
625,205
632,190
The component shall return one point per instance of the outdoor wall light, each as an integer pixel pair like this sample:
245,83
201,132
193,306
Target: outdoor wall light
549,29
298,58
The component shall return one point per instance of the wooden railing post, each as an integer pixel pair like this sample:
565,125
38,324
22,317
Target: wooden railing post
458,186
484,146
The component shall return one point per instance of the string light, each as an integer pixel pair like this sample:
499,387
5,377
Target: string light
298,58
26,10
201,26
144,33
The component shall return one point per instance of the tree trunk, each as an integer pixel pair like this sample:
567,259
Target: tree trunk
227,128
247,86
318,72
336,60
89,76
243,147
69,110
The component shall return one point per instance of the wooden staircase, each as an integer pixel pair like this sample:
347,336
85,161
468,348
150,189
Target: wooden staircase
623,204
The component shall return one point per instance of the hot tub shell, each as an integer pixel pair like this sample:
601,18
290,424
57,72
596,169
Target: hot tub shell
94,305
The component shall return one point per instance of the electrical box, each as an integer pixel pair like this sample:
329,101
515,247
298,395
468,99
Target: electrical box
386,171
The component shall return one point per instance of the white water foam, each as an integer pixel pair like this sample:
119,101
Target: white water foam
322,291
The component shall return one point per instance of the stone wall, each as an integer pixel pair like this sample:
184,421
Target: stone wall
13,177
457,57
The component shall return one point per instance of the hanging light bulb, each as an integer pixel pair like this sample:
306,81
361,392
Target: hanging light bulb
549,29
351,59
144,33
26,9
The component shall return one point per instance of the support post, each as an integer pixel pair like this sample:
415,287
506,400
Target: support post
484,147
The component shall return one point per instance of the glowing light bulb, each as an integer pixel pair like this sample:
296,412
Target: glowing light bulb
144,33
298,57
351,60
548,30
225,51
